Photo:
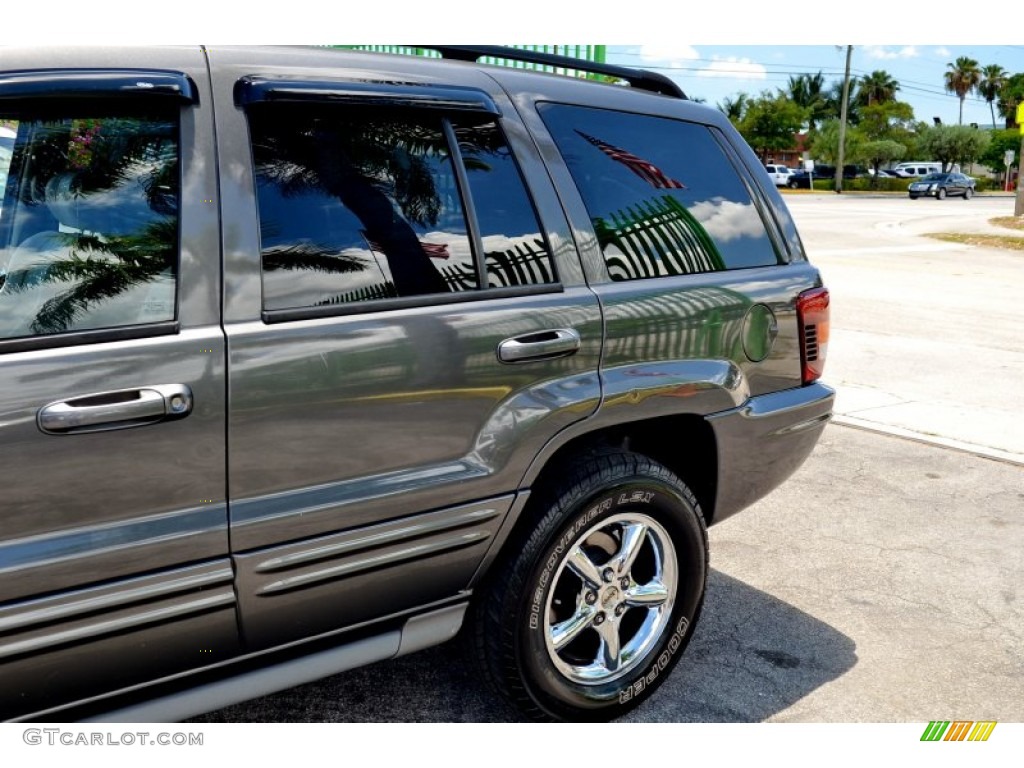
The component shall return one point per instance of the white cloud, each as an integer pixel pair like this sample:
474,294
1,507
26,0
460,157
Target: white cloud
944,52
734,67
886,52
726,220
665,55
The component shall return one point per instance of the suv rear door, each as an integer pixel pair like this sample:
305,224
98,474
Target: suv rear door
388,384
114,550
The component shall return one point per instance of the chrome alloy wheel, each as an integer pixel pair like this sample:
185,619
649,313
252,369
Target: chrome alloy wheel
611,599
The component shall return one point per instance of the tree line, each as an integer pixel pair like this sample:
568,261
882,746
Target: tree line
881,129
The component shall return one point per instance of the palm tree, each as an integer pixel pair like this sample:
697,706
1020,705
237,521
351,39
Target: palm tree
877,88
834,100
808,91
993,77
962,78
735,108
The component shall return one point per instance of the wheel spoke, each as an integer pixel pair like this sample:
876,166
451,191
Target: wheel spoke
633,536
584,567
564,632
611,649
647,595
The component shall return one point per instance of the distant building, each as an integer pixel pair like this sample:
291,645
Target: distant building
794,157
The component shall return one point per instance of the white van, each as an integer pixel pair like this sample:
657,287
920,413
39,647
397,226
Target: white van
917,168
779,174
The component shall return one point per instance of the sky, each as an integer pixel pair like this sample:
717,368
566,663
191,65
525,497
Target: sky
717,72
715,50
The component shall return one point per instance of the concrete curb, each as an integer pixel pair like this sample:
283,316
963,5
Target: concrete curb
919,437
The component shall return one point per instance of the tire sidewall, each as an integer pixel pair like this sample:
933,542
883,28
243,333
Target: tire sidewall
677,511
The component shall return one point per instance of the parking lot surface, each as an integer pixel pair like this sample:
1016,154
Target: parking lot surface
882,583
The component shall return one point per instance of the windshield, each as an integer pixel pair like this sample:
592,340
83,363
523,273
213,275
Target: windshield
935,177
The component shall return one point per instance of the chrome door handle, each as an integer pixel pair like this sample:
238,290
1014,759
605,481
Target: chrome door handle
539,346
116,410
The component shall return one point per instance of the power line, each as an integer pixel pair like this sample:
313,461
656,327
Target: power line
773,76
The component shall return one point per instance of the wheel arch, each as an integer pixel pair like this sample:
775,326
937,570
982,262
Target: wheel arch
683,443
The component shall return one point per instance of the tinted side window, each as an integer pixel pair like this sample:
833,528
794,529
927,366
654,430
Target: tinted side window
515,252
662,195
359,204
89,219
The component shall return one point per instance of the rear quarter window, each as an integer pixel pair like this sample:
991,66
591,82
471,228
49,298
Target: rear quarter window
662,195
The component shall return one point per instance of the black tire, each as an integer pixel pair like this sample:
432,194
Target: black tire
968,193
615,554
913,197
940,194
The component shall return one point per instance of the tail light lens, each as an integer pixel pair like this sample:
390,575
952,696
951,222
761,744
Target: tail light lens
812,312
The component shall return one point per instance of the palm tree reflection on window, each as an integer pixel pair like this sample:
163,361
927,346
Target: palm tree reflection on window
372,183
93,220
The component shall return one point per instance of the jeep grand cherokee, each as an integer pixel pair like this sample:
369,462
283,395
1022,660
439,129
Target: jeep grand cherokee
315,358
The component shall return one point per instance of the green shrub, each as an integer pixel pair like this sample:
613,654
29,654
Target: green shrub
864,184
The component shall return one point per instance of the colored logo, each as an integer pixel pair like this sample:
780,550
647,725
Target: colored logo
958,730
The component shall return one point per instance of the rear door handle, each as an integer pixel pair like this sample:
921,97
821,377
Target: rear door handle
116,410
539,346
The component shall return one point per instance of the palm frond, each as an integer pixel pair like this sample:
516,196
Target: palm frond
309,257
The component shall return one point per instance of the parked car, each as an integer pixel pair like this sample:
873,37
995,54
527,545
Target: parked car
802,179
916,168
941,185
779,174
314,358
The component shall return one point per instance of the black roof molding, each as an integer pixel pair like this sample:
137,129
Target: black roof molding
638,78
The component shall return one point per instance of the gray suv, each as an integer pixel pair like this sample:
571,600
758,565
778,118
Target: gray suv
311,359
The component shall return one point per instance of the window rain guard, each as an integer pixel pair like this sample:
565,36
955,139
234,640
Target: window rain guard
97,84
255,89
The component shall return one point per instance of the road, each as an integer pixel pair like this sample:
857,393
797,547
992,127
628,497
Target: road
882,583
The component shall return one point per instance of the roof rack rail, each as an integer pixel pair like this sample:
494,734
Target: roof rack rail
638,78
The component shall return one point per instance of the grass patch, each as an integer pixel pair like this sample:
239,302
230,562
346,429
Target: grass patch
1008,222
1008,242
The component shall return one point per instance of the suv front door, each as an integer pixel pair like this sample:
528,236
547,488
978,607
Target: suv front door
114,549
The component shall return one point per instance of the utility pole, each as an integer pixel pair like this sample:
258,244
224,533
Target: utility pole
842,121
1018,203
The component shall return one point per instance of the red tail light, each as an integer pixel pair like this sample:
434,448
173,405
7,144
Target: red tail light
812,313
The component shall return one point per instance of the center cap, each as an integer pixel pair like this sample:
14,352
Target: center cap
610,597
